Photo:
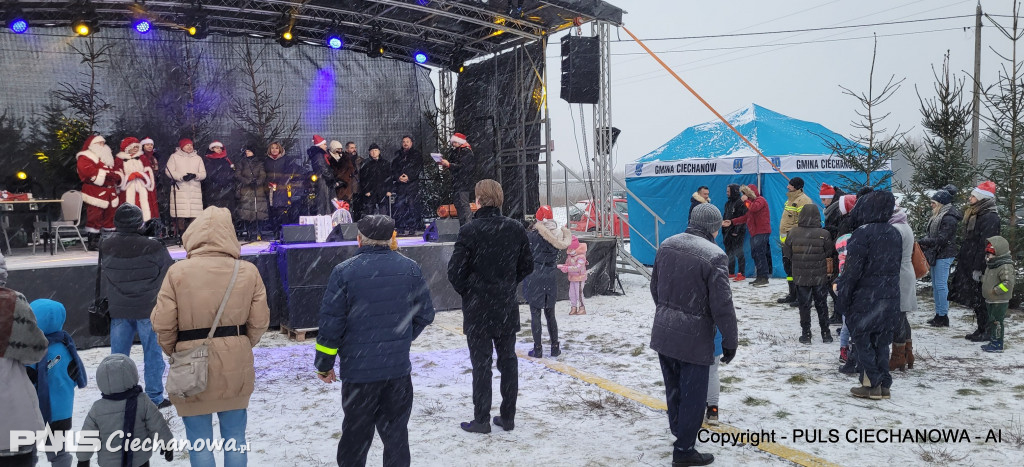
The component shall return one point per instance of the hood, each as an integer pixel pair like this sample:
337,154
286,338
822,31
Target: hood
734,191
698,198
50,315
1000,244
212,234
873,208
810,216
557,237
580,250
899,216
750,191
116,373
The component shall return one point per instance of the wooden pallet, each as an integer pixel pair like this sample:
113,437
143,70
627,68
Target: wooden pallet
298,334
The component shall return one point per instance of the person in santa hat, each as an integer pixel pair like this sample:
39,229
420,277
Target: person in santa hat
162,194
981,220
138,181
99,187
219,185
187,173
833,217
320,161
464,167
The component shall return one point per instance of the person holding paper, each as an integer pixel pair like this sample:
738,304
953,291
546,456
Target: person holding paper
464,166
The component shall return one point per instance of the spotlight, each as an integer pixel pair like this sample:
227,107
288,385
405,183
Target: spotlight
333,38
375,48
22,175
142,26
458,61
334,42
285,35
81,27
196,25
420,57
16,21
84,22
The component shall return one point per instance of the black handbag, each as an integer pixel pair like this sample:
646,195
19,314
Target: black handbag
99,312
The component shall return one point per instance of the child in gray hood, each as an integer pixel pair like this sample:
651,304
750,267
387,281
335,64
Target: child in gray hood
126,408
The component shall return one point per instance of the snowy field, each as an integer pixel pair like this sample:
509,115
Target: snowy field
774,383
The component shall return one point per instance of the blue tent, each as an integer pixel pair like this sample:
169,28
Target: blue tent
710,154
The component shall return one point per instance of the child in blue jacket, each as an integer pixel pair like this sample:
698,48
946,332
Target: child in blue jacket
57,375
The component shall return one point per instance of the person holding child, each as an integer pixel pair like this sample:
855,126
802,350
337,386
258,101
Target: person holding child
540,288
576,267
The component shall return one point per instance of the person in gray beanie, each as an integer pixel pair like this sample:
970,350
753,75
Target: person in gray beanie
939,247
690,287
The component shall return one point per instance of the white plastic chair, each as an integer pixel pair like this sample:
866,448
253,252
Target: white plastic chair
71,216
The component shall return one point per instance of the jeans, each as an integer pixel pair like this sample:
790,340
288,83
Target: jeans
873,356
940,285
683,382
714,384
384,404
480,351
759,250
232,426
122,334
844,335
407,210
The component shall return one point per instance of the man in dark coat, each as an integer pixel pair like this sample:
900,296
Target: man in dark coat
690,287
981,221
405,174
377,302
375,184
734,235
319,162
465,170
701,196
132,271
492,256
810,248
869,290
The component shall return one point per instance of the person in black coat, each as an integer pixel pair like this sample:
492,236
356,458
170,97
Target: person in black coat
320,165
939,247
405,174
465,170
734,235
285,180
981,221
868,290
375,184
219,184
131,273
491,257
377,302
540,288
831,198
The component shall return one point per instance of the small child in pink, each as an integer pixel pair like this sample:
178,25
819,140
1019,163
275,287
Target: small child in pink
576,266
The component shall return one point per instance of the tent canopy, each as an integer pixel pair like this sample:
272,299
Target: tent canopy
710,154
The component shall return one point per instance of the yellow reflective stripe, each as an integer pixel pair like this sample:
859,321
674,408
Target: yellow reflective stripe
794,208
1003,287
326,350
789,278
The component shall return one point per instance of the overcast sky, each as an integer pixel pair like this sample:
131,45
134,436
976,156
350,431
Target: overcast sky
797,74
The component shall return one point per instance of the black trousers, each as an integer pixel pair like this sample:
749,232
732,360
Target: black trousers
734,252
385,405
480,356
278,216
686,390
902,333
461,201
407,211
804,296
535,325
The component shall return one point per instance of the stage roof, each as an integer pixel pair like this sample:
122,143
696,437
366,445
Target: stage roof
447,31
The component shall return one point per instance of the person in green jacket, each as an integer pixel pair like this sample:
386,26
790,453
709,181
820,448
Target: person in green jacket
997,288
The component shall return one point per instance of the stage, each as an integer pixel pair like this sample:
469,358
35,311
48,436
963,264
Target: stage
295,277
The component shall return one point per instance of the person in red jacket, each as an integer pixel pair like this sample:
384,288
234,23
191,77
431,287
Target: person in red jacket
95,163
759,224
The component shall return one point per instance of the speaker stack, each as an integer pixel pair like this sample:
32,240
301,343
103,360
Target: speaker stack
581,69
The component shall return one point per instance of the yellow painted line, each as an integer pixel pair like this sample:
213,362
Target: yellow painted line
795,456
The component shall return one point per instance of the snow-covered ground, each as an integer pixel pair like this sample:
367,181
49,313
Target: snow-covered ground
774,383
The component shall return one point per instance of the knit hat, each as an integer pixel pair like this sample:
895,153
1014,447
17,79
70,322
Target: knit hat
184,142
942,197
128,142
376,227
92,139
374,146
216,144
543,213
797,183
336,146
318,140
990,249
128,218
827,191
458,138
707,217
574,243
846,203
147,140
986,189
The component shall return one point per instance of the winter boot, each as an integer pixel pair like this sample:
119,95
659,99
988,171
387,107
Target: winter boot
850,367
886,393
711,417
537,352
791,297
835,319
555,350
93,241
691,458
865,392
977,336
844,354
760,282
898,357
996,346
740,278
909,349
505,425
805,338
826,336
476,427
939,321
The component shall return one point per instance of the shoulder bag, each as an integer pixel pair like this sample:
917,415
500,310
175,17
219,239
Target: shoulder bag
920,261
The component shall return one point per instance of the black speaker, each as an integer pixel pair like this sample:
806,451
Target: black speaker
298,233
581,69
442,230
344,233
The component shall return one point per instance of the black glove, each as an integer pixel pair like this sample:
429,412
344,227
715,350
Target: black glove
169,455
727,355
189,177
84,463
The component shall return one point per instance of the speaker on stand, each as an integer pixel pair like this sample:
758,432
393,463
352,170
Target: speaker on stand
581,69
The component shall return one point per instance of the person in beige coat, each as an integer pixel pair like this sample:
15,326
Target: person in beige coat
187,170
184,312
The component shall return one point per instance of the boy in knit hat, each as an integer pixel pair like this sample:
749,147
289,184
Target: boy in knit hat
810,250
795,202
997,287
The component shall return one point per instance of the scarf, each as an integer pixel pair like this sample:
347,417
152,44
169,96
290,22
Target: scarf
975,211
43,376
222,155
131,405
936,220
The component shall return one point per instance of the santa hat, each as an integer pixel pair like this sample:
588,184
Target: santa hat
128,142
147,140
458,138
184,142
319,140
846,203
986,190
93,139
543,213
827,192
216,144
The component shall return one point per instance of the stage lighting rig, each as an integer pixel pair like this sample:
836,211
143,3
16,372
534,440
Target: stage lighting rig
458,60
420,57
197,25
285,33
333,38
140,19
15,20
375,47
84,22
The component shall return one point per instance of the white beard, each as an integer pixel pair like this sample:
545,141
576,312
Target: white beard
103,152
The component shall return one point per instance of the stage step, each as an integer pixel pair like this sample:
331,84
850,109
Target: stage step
298,335
627,264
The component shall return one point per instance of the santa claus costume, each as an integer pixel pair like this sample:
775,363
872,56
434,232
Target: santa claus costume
99,187
138,181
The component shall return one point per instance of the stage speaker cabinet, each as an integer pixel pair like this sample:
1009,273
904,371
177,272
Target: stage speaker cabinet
581,69
298,233
442,230
344,233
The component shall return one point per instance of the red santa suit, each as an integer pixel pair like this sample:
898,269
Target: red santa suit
137,178
99,184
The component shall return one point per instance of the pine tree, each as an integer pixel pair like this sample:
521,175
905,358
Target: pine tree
56,143
256,109
84,98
